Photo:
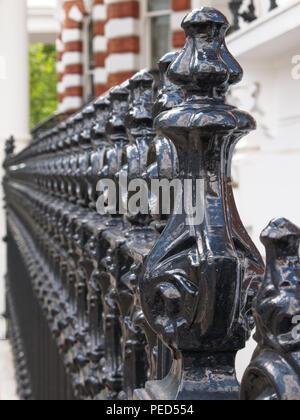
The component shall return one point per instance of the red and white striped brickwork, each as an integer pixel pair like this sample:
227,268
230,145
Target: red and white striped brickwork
116,44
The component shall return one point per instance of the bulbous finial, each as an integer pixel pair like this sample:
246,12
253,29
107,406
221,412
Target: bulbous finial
205,66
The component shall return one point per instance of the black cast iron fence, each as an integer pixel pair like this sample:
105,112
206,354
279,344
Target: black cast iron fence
148,305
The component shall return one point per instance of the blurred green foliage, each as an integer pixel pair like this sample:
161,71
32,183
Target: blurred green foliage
43,81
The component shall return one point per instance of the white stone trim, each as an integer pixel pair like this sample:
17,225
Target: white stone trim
60,108
100,44
88,4
72,80
100,76
196,4
116,63
116,28
99,12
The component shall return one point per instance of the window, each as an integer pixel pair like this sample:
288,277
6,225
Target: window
88,60
157,39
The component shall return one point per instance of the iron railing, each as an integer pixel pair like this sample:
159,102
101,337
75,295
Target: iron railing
148,305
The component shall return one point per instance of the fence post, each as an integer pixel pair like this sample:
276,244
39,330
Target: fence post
191,285
235,6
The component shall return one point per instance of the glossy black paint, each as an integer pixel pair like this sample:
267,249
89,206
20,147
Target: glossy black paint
193,285
146,306
248,15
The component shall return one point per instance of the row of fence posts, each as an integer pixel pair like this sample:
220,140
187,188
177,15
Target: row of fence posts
148,306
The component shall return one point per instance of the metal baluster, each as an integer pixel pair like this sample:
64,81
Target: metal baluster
200,320
273,373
